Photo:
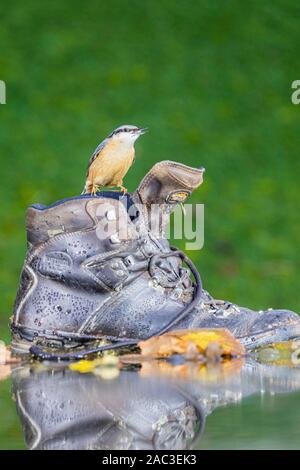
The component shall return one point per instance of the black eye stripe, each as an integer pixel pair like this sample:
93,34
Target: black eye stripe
124,129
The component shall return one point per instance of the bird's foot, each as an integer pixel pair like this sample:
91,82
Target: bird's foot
123,190
94,190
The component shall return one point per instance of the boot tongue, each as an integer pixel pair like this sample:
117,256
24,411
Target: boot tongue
169,183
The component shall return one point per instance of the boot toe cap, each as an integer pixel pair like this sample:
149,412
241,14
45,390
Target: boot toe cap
274,319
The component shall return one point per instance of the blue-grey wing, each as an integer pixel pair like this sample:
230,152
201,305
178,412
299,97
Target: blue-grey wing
96,153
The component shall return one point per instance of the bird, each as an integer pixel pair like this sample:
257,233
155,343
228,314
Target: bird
112,159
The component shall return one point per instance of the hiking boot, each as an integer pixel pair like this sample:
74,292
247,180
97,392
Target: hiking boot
101,267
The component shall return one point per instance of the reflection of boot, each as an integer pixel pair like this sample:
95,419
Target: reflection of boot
67,410
61,409
96,267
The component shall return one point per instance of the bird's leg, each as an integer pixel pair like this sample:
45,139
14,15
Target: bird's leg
122,188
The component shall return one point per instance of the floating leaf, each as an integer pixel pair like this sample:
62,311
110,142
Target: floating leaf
6,359
6,356
84,366
201,344
284,353
104,367
5,372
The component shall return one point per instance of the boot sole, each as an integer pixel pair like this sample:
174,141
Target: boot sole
21,346
23,339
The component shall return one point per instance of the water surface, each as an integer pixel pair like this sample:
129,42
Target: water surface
235,405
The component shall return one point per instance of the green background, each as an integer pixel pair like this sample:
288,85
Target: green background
211,80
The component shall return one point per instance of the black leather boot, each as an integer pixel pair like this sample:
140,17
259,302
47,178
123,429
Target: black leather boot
101,267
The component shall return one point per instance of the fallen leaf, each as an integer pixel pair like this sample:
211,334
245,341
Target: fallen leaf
210,343
6,356
285,353
105,367
5,372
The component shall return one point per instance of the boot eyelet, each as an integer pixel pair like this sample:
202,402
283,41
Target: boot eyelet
114,239
120,273
155,282
111,215
115,266
128,261
177,293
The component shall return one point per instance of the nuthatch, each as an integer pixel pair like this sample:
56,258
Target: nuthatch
112,159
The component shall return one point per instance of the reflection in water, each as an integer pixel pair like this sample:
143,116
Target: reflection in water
159,406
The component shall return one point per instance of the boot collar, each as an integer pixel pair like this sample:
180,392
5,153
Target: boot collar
169,183
117,195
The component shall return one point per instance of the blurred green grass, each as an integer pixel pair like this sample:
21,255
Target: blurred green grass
212,81
11,436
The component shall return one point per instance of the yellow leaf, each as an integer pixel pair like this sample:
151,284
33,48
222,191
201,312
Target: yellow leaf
6,356
205,341
5,372
85,367
284,353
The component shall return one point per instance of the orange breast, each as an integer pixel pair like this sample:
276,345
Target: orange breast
111,165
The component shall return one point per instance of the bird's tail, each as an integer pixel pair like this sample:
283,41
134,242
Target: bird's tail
87,189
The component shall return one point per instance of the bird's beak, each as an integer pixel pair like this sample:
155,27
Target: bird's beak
142,130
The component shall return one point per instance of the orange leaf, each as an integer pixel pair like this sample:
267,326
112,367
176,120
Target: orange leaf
207,342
